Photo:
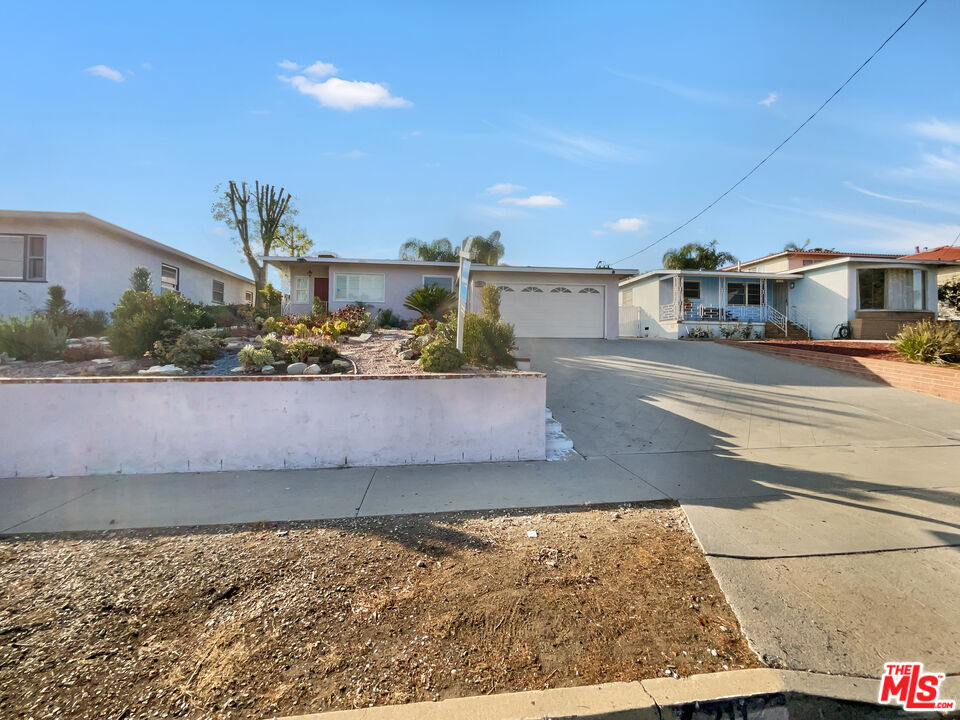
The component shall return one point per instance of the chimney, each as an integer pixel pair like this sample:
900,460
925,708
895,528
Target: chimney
916,249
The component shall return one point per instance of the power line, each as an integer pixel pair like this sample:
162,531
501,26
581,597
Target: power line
788,139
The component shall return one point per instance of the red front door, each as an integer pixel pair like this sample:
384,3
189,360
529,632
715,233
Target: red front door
321,288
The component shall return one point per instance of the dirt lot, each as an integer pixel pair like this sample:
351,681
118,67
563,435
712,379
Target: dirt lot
251,622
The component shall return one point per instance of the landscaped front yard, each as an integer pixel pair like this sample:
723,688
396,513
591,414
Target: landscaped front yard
250,622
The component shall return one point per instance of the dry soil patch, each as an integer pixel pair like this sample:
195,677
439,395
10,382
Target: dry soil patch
251,622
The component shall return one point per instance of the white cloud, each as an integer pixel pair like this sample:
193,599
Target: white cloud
503,189
681,91
938,130
146,66
579,148
105,72
346,95
288,65
532,201
769,99
931,204
320,70
631,224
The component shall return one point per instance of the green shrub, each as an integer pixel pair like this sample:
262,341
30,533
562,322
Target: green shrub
433,301
422,329
75,322
354,318
32,339
490,302
141,318
441,357
928,342
387,318
140,279
89,323
228,316
191,348
254,358
270,300
302,350
485,343
271,326
272,343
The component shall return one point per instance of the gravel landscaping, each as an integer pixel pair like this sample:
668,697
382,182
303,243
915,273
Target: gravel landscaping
249,622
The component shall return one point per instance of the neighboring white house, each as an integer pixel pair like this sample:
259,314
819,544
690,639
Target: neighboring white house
549,302
92,259
869,296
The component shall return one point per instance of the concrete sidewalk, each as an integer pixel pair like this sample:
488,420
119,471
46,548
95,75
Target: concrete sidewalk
63,504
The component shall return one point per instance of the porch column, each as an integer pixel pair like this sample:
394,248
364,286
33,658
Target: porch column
763,299
722,300
678,297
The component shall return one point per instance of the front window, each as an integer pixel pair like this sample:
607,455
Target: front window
891,289
169,278
739,293
23,257
301,289
359,287
691,289
248,297
217,292
444,281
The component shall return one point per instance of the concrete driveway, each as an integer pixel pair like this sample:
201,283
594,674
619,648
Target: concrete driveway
829,506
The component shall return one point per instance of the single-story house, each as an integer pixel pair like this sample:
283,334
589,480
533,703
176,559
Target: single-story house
949,271
793,259
93,259
552,302
869,296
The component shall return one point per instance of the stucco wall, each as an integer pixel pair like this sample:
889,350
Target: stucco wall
823,296
94,267
644,313
151,425
399,281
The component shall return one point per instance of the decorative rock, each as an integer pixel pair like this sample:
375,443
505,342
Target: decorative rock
124,367
313,369
407,355
313,359
296,368
361,338
340,365
52,362
101,361
238,370
267,370
163,370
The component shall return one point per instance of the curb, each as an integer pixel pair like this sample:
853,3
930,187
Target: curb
643,700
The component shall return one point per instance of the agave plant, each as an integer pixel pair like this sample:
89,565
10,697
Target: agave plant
433,300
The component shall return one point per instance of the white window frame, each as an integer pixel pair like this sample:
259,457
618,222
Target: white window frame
248,297
692,283
26,258
304,287
451,278
163,287
337,298
223,293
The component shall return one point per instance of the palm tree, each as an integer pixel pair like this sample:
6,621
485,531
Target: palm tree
695,256
439,250
792,246
486,250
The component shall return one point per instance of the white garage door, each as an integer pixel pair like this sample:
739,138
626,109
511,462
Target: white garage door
553,311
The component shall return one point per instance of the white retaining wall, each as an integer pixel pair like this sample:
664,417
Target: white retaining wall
83,426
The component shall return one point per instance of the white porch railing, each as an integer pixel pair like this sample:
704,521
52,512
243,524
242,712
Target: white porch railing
801,320
777,318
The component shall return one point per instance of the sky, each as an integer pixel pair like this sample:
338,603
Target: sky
581,131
